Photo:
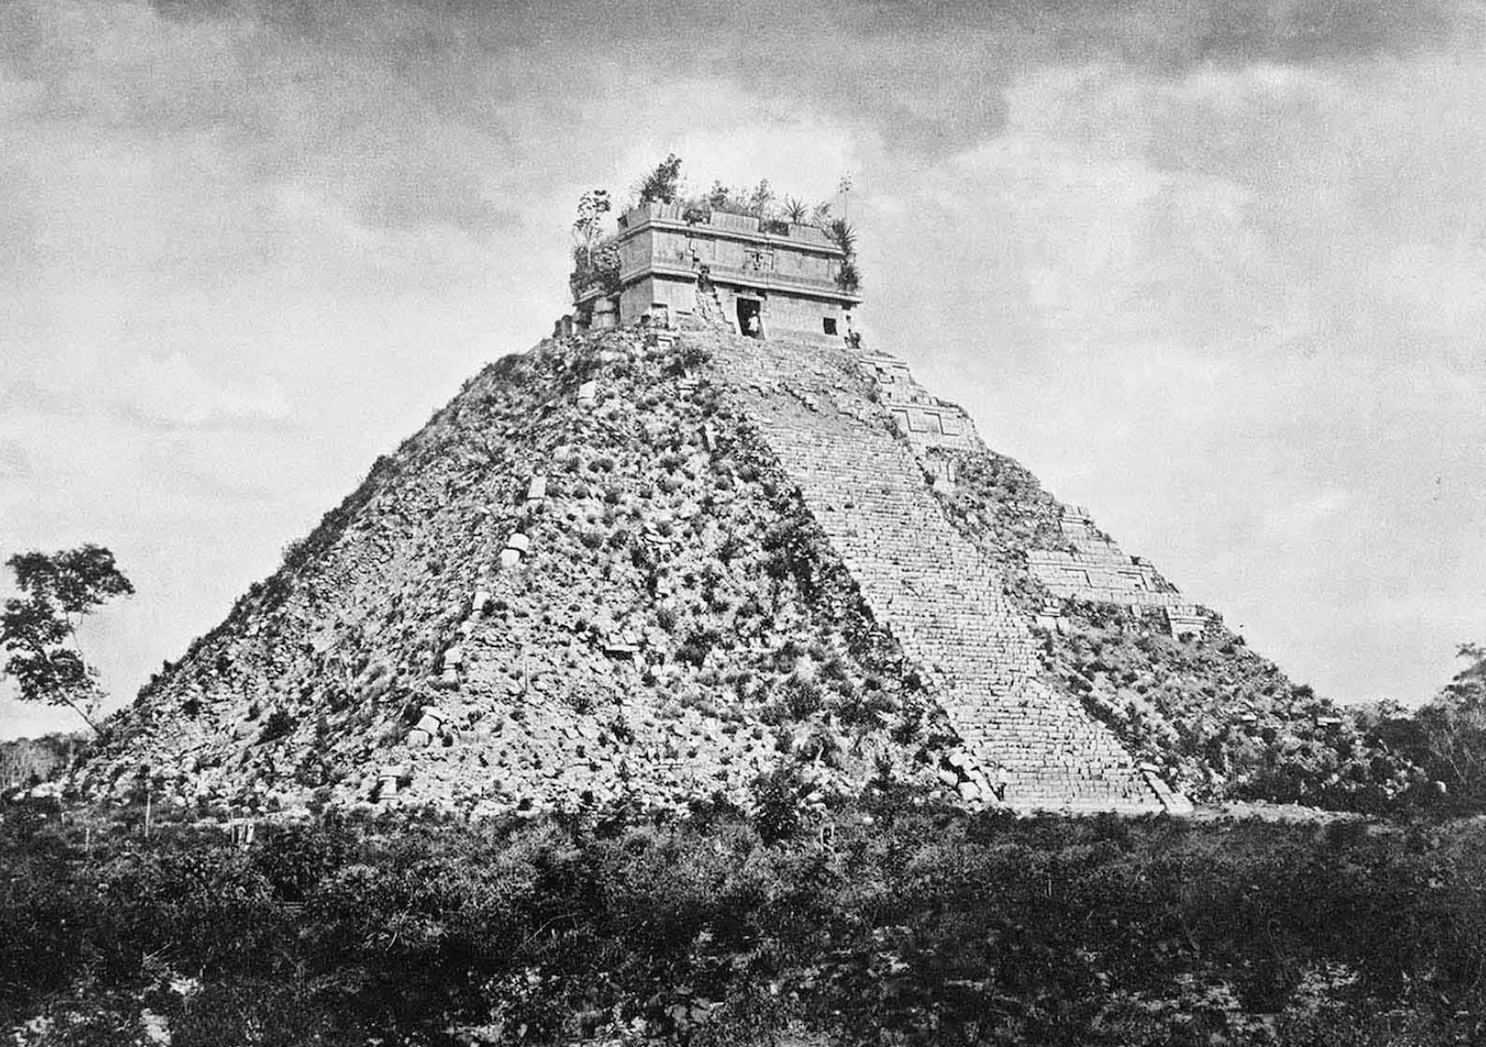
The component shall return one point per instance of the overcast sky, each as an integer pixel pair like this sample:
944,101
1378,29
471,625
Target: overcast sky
1213,270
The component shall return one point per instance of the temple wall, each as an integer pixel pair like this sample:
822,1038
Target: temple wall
1092,567
730,245
641,297
922,418
788,314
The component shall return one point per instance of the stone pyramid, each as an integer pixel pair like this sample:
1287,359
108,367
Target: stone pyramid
649,565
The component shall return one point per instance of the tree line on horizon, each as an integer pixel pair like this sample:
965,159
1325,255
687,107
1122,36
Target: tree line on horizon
910,923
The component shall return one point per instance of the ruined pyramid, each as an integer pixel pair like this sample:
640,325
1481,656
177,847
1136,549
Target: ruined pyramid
651,563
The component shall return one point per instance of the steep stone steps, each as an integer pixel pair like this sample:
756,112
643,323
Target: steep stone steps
925,582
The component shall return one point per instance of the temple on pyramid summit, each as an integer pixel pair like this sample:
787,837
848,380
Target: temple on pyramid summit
702,535
771,278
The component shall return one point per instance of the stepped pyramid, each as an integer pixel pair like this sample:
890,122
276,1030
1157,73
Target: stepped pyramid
671,550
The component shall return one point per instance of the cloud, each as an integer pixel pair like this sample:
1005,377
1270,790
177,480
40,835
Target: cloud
1305,517
172,390
1230,310
15,464
933,72
1203,265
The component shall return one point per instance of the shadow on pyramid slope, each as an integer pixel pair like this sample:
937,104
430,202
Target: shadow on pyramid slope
1186,701
647,567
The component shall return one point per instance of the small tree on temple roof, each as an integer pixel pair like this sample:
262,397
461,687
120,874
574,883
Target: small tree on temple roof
761,200
844,235
660,185
595,253
588,228
719,195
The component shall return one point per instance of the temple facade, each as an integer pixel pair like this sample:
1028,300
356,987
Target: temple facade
769,278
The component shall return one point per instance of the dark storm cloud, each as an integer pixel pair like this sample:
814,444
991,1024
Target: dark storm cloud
1173,35
931,74
1165,33
255,84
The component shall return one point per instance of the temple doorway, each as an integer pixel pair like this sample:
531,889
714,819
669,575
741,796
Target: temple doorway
749,320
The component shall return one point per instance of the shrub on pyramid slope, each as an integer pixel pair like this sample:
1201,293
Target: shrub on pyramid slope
675,628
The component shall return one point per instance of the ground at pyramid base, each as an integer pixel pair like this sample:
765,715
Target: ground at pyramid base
650,565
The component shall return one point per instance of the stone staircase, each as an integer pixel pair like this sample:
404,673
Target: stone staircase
928,584
710,313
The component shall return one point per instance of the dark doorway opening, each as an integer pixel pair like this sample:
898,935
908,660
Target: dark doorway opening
829,323
749,321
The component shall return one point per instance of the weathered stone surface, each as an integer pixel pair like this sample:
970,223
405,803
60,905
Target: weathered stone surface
739,555
925,582
637,649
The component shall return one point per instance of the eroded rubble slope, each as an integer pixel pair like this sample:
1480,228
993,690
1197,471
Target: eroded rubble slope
647,566
585,581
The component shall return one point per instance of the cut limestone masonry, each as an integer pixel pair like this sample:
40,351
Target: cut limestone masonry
651,565
925,582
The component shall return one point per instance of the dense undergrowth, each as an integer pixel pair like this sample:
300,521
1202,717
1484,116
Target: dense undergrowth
894,921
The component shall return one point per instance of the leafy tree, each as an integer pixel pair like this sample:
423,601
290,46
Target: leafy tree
1450,732
660,185
588,228
761,200
719,195
595,254
39,628
795,210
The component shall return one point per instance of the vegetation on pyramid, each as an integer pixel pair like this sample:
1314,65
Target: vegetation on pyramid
585,582
1220,720
638,567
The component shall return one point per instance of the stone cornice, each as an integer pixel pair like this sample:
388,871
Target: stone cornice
803,238
740,277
